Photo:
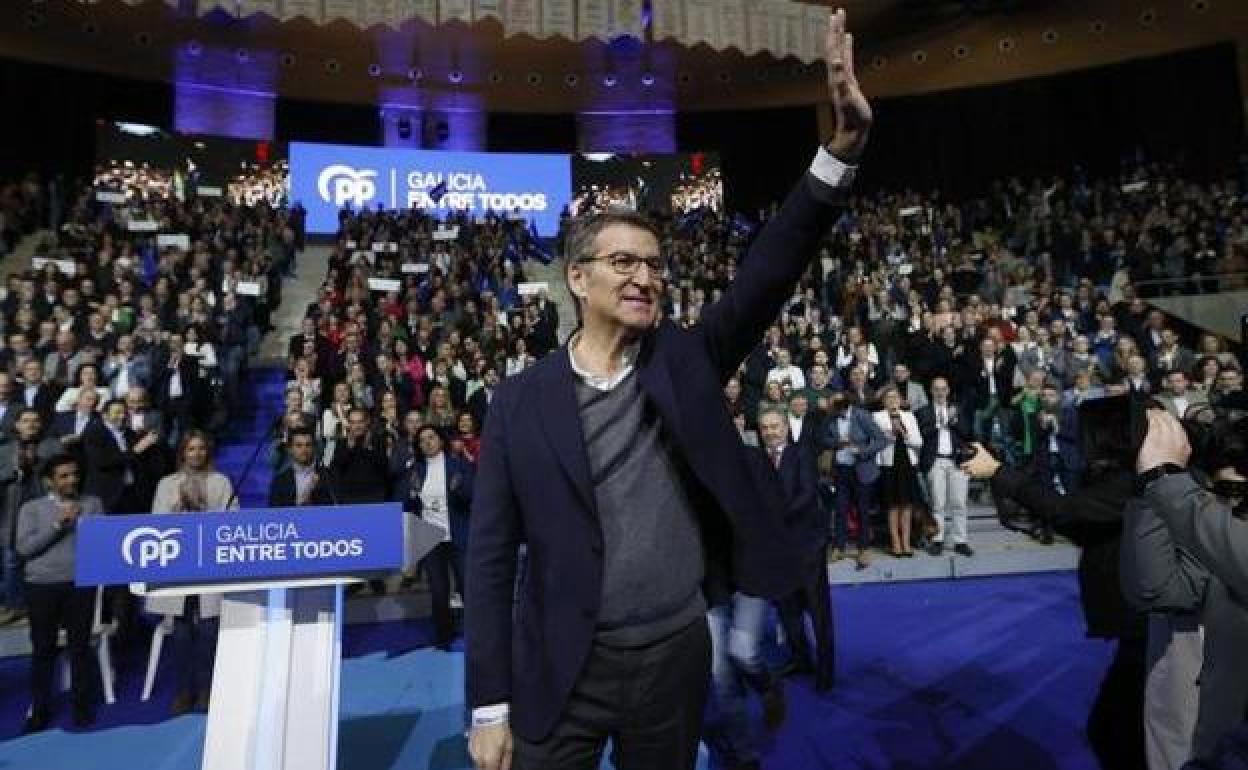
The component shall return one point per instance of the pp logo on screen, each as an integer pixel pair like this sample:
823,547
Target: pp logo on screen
340,185
148,546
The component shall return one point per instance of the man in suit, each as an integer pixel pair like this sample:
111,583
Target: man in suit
8,409
943,432
632,490
109,448
46,541
61,364
69,427
34,393
799,477
1177,398
913,397
176,380
437,486
479,402
856,439
987,386
804,425
124,369
301,483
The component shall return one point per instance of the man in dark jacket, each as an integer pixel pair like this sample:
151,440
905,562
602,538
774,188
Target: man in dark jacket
1092,517
633,491
301,483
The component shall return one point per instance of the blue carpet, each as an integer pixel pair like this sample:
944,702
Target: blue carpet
247,427
971,674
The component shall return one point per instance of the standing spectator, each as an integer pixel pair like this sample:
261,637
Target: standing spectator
437,488
46,541
799,476
941,428
857,440
196,486
22,457
898,460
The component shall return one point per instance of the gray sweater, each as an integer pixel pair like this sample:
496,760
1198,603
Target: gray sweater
653,563
47,550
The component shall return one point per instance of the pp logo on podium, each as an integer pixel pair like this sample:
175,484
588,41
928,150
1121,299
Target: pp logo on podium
147,546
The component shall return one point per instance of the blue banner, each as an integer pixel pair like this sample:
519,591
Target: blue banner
239,545
327,177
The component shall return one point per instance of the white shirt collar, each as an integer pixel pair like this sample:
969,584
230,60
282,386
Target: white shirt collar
628,360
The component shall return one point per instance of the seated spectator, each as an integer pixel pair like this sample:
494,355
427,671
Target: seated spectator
88,378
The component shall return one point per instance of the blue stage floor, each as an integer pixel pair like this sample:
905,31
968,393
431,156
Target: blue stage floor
976,674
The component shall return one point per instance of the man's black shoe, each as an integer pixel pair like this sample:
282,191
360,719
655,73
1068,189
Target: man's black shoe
37,722
963,549
936,549
774,707
84,716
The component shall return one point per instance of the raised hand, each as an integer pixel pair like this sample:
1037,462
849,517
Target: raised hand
849,107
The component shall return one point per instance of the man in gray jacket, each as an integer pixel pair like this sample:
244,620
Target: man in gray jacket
1203,567
46,540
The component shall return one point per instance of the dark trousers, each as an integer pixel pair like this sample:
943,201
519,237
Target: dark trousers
53,606
848,487
812,599
439,564
1116,723
194,641
649,701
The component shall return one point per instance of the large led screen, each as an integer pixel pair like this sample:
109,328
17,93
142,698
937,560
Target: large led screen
327,177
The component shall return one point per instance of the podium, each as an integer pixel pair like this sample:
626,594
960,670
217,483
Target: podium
280,574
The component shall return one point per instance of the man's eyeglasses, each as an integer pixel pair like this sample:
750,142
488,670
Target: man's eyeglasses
627,263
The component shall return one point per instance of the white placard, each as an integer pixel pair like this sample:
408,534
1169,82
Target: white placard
410,268
107,196
142,226
385,246
247,288
448,234
66,266
167,240
209,192
350,245
532,287
909,211
362,256
905,269
1135,187
384,284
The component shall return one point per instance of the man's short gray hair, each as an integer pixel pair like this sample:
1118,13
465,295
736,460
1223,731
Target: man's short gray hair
763,411
583,234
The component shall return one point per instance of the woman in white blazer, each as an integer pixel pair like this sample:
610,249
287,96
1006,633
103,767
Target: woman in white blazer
899,478
196,486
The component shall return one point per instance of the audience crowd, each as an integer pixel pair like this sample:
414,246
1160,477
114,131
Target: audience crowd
119,350
926,324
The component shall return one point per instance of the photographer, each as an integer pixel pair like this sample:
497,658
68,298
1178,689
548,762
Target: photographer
1092,517
1188,557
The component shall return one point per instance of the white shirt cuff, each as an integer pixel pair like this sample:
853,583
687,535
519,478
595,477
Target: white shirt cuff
832,171
488,716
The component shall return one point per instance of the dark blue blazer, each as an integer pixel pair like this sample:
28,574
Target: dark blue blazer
533,483
799,479
459,483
